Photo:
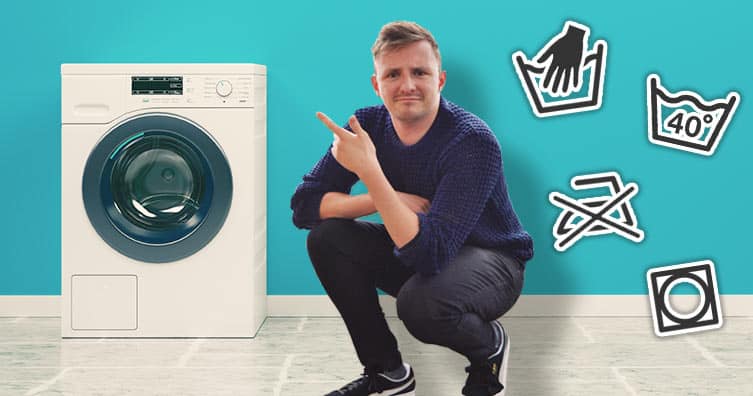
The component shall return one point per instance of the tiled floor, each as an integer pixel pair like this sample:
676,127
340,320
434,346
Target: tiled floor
310,356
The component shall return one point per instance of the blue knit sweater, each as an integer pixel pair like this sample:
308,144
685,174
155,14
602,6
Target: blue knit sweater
457,166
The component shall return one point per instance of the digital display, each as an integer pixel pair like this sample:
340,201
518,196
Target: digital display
156,85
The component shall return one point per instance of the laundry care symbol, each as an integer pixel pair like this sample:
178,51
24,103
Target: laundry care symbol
706,315
695,125
595,213
564,77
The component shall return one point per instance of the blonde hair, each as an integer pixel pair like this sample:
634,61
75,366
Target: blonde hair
396,35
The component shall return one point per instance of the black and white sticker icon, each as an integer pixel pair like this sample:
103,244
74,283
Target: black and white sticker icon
595,213
691,123
706,316
564,77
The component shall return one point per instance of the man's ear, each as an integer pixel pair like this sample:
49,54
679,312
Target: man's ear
375,84
442,79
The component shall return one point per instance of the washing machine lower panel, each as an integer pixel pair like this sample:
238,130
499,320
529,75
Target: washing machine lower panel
126,305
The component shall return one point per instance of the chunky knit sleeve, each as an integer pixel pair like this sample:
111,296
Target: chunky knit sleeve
327,175
469,171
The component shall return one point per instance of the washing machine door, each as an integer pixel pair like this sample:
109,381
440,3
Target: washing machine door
157,188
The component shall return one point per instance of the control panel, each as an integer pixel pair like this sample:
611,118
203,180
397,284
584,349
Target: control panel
192,90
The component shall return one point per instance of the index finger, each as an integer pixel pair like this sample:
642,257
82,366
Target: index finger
336,129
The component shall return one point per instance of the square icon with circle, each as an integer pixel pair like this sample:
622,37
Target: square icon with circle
668,320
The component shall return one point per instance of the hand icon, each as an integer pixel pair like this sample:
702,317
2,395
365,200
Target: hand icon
566,53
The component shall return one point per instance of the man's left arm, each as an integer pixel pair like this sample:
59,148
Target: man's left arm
399,220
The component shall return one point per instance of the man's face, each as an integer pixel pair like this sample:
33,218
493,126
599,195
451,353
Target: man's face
409,81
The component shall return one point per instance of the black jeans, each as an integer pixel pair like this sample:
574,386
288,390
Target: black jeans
453,308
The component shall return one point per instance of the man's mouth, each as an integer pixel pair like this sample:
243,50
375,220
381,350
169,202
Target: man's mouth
408,99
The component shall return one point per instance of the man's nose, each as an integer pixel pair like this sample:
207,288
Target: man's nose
407,84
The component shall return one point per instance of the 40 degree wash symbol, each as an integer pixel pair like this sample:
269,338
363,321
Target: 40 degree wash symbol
692,127
694,124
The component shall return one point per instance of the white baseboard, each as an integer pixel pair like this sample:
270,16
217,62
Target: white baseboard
527,305
29,306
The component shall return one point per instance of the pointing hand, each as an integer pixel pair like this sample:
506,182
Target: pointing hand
353,150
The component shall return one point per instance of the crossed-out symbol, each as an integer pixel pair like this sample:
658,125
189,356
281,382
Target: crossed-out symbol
596,212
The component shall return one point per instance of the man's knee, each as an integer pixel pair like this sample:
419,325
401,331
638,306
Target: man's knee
325,233
423,314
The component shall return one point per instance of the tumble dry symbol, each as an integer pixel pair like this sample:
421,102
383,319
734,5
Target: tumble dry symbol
695,125
564,77
707,315
595,213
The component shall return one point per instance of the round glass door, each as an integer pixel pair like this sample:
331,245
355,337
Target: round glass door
157,188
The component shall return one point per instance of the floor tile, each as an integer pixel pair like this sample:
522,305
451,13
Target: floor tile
28,330
606,355
312,356
564,381
694,381
167,381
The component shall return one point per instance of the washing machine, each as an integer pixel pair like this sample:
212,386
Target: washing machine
163,200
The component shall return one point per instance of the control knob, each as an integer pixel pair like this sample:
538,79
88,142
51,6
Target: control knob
224,88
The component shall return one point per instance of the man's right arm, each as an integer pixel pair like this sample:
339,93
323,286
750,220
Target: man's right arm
326,177
321,196
337,204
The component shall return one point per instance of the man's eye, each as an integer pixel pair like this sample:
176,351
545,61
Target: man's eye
392,75
419,72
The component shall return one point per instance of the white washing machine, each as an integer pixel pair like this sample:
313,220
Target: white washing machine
163,200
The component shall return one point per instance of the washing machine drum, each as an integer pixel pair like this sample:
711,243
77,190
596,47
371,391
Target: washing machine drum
157,188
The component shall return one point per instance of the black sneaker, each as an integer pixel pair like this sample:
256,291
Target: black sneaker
378,384
488,378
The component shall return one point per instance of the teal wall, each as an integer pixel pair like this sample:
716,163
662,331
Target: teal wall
691,207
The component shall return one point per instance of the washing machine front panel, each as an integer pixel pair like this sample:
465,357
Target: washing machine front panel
157,188
152,193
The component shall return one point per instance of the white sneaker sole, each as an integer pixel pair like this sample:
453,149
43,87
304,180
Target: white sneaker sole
401,391
503,368
398,392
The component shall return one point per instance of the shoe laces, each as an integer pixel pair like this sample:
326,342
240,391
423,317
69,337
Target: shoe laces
371,375
368,379
358,383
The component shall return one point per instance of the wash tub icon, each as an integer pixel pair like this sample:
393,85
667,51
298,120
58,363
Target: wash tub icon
694,124
580,73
